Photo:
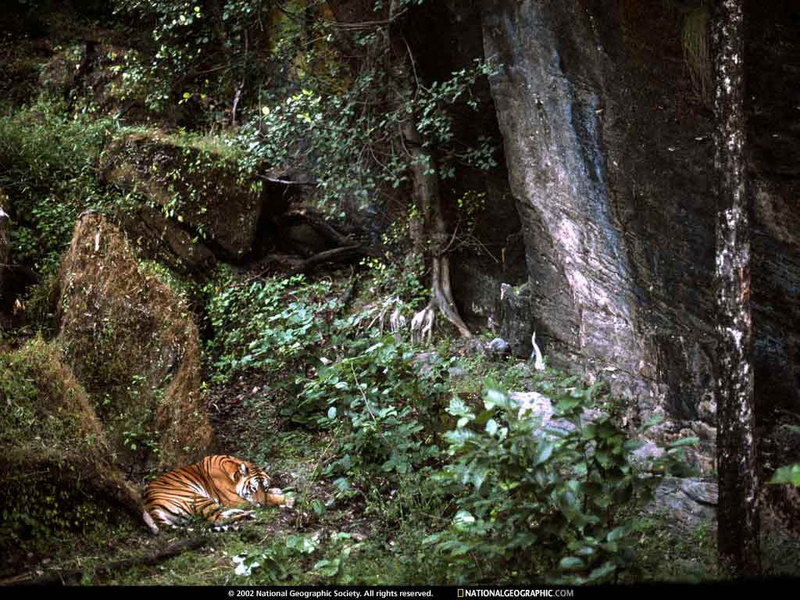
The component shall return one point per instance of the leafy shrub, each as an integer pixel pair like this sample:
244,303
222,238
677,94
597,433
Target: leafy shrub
386,407
266,324
354,151
540,502
48,167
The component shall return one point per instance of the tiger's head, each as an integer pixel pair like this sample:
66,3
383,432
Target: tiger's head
252,483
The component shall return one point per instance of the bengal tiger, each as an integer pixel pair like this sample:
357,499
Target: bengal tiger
215,489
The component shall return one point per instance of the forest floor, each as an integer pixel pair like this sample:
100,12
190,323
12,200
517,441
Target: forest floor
326,538
322,540
352,536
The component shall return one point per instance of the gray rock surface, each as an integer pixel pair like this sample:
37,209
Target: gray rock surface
689,502
609,153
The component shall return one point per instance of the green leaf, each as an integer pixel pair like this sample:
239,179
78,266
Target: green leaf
318,507
789,474
689,441
302,544
373,348
616,534
491,427
543,451
458,408
495,397
571,563
602,571
327,568
651,423
479,476
566,404
464,519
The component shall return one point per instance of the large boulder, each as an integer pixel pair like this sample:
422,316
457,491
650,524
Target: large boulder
55,462
133,344
200,187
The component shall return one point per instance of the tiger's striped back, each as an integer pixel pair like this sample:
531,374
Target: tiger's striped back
206,489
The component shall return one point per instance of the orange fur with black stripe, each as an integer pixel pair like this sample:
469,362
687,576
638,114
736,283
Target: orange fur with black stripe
216,489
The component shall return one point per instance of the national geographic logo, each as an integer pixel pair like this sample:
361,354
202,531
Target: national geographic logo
516,593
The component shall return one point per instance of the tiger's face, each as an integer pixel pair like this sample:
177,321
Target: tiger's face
252,484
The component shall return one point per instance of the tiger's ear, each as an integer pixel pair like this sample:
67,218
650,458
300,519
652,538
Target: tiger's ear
239,473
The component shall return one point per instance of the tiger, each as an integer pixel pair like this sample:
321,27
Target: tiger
215,489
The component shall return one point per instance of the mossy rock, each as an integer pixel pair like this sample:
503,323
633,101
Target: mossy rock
55,462
164,241
207,187
133,344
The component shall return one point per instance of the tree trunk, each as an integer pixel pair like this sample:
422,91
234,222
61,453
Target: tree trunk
5,263
425,182
738,519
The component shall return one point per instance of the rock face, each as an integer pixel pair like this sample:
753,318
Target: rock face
608,142
200,189
134,346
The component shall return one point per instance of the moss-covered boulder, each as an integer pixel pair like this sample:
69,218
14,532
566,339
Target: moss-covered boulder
55,462
205,186
133,344
165,241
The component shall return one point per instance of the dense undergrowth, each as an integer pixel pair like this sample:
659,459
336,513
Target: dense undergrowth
416,449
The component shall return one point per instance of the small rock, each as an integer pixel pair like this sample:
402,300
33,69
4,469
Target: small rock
499,347
704,431
688,501
644,457
700,491
456,372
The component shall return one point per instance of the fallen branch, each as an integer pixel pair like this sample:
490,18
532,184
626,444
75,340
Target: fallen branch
334,255
74,575
322,227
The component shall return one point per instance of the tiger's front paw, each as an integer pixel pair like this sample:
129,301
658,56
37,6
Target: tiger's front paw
276,497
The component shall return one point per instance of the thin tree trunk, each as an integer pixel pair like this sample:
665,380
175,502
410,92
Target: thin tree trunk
738,519
5,263
425,185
